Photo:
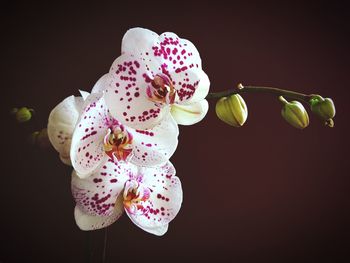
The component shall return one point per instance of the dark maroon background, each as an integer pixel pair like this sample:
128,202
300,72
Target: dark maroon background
262,193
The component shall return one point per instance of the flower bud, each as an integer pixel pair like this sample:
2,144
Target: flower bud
23,114
32,138
43,139
232,110
323,108
40,139
294,113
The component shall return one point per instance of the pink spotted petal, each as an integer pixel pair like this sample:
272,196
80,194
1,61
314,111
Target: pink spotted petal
192,53
88,222
176,52
137,41
87,151
97,194
61,123
186,82
202,88
165,197
180,60
102,84
127,96
155,146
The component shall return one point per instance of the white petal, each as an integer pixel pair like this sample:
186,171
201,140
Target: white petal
178,52
61,123
102,84
180,60
158,231
191,49
138,40
88,222
202,89
97,194
155,146
65,160
84,94
191,113
126,96
65,153
87,151
165,197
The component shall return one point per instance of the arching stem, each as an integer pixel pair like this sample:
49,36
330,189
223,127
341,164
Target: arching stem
257,89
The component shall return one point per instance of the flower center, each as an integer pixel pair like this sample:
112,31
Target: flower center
161,90
134,194
118,143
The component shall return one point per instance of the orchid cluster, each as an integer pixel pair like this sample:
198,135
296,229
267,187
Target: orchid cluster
119,137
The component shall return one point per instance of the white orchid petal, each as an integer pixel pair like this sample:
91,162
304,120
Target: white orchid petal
84,94
190,114
102,84
97,194
186,82
191,49
178,52
138,40
165,197
155,146
87,150
202,89
158,231
65,160
126,96
88,222
61,123
180,60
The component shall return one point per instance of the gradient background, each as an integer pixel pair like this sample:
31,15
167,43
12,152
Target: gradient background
262,193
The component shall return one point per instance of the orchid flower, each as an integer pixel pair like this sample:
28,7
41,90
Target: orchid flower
156,75
99,137
61,124
151,197
62,121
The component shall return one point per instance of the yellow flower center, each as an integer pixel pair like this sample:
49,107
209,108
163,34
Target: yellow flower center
118,143
161,90
134,195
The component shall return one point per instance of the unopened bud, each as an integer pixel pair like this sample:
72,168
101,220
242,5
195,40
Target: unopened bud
323,108
232,110
294,113
43,139
23,114
40,138
32,139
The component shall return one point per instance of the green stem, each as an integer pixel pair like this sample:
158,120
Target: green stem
104,246
269,90
87,247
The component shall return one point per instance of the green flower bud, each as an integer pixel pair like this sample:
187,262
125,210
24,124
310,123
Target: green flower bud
294,113
323,108
232,110
32,139
23,114
13,111
40,138
43,139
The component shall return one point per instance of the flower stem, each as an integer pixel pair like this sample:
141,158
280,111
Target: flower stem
269,90
87,247
104,246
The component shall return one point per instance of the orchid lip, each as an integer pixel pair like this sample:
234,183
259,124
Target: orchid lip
161,90
134,194
117,143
